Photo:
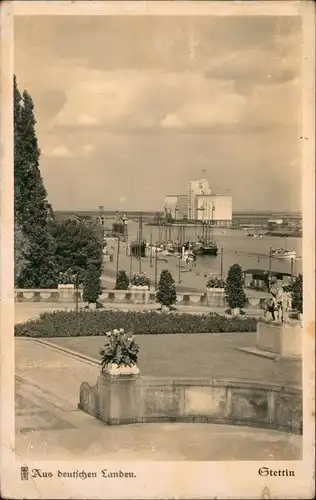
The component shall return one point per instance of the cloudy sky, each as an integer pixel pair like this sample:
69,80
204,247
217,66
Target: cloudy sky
129,108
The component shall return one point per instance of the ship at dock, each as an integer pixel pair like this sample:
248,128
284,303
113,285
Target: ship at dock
206,245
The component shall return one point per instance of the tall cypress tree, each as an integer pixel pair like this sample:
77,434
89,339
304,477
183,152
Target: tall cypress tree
32,211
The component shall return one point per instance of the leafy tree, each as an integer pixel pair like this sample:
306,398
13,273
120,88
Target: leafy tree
166,294
21,246
122,281
234,287
92,285
79,246
32,211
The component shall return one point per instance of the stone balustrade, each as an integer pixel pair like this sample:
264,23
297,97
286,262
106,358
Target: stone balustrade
134,399
129,297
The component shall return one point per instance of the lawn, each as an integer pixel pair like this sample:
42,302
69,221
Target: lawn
198,355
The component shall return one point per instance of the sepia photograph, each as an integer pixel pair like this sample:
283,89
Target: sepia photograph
157,249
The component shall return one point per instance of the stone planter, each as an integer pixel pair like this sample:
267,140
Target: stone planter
115,371
215,297
92,306
66,292
140,294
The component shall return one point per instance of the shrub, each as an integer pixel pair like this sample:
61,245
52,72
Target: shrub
121,349
234,287
140,279
297,294
166,294
122,281
92,286
214,281
88,323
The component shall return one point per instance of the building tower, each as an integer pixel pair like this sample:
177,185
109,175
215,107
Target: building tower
195,188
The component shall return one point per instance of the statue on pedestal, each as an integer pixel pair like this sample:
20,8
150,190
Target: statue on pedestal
279,302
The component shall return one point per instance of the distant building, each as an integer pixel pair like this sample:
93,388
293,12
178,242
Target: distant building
182,206
275,223
216,208
195,188
171,204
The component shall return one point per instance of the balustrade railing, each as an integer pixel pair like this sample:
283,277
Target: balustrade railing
206,299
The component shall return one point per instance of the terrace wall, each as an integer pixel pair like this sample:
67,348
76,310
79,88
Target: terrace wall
133,399
129,297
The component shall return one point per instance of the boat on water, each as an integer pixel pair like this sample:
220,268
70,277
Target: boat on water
255,235
197,248
210,248
281,253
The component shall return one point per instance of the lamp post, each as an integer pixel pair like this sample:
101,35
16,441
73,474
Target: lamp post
179,269
118,256
74,278
124,219
175,212
140,245
151,249
130,267
77,292
270,257
201,209
222,258
156,262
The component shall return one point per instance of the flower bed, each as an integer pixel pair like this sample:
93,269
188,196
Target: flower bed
89,323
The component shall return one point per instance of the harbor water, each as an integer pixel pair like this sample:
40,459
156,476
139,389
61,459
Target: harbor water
249,252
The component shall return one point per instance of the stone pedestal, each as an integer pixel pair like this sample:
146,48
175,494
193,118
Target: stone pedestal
280,339
115,399
66,293
140,294
216,297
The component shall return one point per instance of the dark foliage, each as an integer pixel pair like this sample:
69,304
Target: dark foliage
87,323
32,212
234,287
166,294
78,246
122,281
92,285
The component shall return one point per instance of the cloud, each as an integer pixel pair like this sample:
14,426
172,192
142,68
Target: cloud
171,121
62,151
145,110
58,152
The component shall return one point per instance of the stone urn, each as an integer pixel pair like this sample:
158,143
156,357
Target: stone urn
140,294
215,297
115,370
66,292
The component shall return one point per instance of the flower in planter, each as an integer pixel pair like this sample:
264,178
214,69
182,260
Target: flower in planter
121,349
140,279
215,281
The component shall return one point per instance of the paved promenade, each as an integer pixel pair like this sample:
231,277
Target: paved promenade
50,426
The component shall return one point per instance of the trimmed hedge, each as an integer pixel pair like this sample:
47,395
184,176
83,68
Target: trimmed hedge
90,323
